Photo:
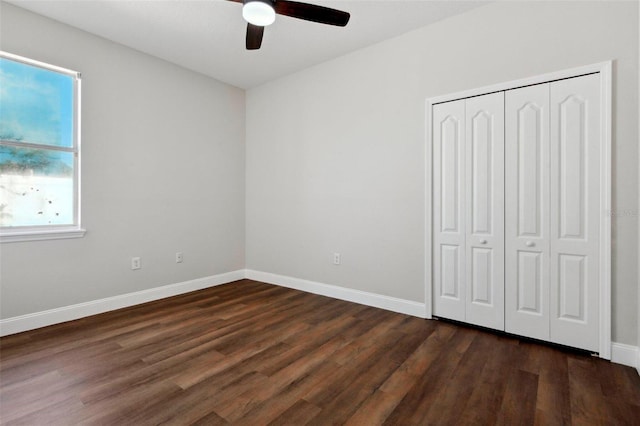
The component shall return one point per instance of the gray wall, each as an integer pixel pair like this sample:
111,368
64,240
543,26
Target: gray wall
335,153
162,171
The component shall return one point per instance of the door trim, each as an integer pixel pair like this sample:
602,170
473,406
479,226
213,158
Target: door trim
605,71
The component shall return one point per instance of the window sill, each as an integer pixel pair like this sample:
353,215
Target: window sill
41,234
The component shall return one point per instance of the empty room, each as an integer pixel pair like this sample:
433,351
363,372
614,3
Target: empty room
359,212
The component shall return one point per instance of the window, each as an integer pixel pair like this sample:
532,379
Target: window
39,150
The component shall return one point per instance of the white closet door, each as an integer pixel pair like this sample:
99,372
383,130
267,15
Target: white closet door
484,170
575,193
449,206
527,211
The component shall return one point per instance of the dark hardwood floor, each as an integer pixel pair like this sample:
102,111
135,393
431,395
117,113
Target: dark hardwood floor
255,354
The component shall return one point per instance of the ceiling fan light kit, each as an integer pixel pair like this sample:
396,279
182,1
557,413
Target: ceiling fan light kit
258,12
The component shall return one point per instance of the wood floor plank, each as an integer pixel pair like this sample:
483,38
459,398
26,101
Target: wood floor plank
405,377
250,353
487,396
588,403
211,419
56,414
365,340
173,409
365,378
552,402
455,394
268,410
360,365
126,404
375,410
298,414
415,405
519,402
293,373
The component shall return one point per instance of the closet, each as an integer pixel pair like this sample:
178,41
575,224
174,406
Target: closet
517,198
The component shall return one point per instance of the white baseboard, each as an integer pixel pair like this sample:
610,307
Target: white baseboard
620,353
625,355
409,307
68,313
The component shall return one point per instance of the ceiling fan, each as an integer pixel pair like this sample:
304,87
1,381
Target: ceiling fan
261,13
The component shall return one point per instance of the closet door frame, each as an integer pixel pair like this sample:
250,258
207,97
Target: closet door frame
605,71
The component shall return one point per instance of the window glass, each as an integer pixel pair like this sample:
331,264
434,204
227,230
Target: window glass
36,186
36,105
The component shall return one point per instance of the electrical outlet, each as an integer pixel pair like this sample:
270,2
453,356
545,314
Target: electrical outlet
179,257
135,263
336,258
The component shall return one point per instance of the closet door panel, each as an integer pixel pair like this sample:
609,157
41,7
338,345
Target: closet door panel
484,170
448,210
575,192
530,282
527,211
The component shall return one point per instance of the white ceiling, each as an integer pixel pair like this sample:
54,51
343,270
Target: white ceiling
208,36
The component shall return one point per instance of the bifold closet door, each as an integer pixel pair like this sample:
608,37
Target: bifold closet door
484,170
552,196
449,204
575,198
527,211
468,176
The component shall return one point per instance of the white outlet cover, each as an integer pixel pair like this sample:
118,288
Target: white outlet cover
136,263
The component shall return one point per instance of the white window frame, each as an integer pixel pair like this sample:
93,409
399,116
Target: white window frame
52,232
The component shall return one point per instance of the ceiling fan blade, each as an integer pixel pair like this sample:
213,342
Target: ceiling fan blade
254,36
311,12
